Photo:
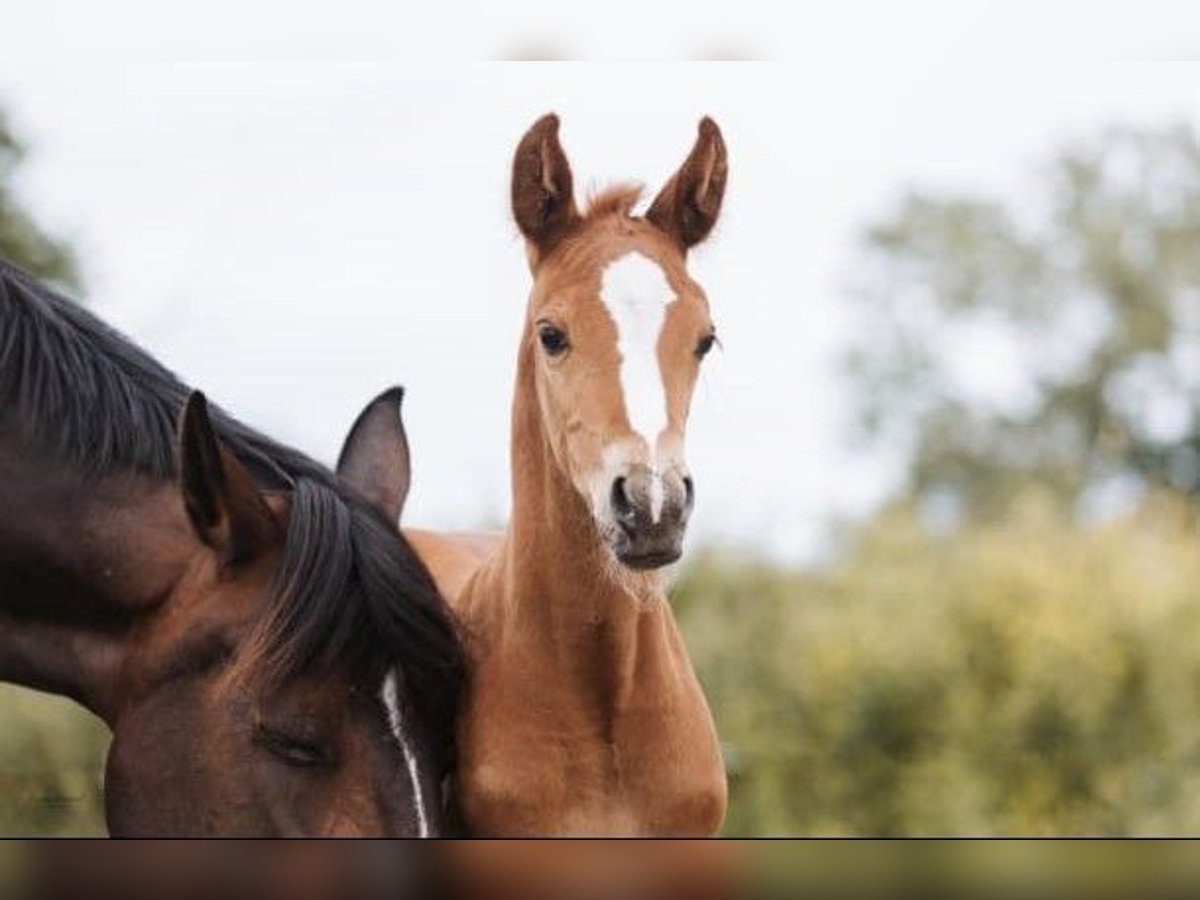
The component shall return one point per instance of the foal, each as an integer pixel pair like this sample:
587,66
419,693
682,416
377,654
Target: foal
270,658
584,714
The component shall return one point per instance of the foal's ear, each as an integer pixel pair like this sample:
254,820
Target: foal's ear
688,206
222,501
543,195
374,460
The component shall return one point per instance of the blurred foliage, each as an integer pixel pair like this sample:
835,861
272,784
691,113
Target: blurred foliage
22,240
1078,300
1028,677
51,765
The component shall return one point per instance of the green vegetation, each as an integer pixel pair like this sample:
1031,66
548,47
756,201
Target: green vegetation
51,765
22,240
1027,677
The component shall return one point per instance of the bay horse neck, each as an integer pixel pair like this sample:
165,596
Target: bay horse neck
566,575
96,556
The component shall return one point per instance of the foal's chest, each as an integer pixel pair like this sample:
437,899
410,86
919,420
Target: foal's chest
652,770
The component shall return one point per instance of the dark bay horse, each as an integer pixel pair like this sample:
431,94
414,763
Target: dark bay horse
271,659
584,715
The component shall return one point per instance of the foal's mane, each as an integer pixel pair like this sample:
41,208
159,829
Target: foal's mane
349,587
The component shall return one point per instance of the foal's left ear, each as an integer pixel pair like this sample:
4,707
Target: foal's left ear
223,502
374,460
688,206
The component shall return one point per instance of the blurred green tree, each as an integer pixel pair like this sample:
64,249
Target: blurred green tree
1051,337
1029,676
22,240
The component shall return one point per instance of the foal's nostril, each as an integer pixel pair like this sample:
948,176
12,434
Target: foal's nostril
689,492
622,508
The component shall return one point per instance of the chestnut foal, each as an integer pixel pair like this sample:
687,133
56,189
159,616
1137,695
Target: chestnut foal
584,715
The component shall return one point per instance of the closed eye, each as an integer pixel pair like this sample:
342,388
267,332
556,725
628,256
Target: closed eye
300,752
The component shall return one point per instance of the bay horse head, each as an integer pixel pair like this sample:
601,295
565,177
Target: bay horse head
271,656
616,331
269,694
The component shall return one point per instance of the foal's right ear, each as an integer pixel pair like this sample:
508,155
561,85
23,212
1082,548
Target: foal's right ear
374,460
223,503
543,194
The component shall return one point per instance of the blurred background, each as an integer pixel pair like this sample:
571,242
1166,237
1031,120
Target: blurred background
944,573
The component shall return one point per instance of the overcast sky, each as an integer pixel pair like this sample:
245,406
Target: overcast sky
295,236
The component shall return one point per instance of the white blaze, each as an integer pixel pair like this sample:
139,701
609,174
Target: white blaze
391,702
636,292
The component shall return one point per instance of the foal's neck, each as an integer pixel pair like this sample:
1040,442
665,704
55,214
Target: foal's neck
565,579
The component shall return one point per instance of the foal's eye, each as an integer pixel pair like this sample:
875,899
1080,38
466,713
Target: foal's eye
295,751
554,339
705,344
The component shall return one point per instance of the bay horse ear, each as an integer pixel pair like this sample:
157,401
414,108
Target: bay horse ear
688,206
223,503
374,460
543,193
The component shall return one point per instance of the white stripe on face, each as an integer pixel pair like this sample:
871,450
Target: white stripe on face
636,293
391,702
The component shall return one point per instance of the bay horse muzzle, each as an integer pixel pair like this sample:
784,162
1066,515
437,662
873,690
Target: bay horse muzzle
651,510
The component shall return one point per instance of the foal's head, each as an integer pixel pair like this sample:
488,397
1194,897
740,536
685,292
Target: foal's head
616,332
296,678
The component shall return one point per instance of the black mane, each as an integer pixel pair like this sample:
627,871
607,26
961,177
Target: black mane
349,587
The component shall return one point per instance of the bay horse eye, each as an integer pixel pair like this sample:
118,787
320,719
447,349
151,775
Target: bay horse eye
293,751
704,345
554,340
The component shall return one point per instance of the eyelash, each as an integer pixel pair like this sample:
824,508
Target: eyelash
292,750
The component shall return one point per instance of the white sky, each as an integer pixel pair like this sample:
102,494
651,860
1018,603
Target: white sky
295,236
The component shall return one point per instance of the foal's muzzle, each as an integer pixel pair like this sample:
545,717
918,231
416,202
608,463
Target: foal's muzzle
651,511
